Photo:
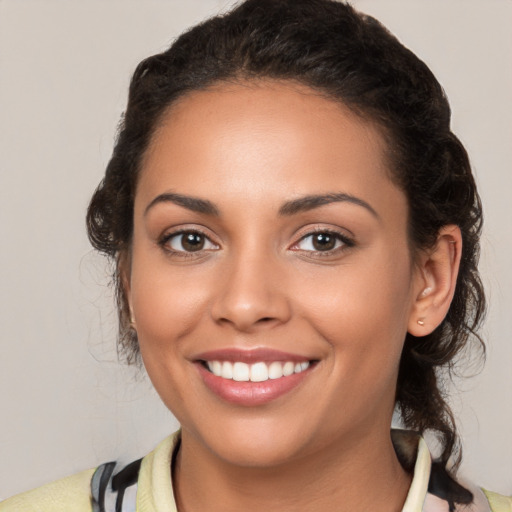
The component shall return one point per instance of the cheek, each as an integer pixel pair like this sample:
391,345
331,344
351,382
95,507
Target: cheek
362,313
167,305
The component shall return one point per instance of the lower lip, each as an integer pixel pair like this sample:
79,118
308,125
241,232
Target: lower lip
250,394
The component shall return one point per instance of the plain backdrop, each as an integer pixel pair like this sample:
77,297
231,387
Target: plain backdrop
65,402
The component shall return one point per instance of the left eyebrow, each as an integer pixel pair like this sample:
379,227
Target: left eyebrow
306,203
194,204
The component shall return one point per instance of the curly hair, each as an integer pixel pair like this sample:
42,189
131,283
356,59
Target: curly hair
350,58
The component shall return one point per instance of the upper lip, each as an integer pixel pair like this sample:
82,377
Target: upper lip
250,355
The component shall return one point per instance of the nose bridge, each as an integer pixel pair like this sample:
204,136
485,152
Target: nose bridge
251,291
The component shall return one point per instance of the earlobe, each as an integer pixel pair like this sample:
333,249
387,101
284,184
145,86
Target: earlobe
436,280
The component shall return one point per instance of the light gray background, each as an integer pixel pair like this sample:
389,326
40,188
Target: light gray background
65,404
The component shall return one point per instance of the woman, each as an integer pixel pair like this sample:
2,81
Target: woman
296,232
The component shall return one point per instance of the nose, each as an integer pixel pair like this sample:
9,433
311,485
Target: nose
252,294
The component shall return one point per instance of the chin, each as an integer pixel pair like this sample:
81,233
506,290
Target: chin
256,444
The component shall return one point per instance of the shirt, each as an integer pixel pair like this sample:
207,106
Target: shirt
146,486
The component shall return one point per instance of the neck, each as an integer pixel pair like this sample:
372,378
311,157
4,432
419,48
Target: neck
351,475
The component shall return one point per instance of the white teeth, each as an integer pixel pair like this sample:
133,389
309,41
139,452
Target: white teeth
275,370
217,368
226,370
288,368
257,372
241,372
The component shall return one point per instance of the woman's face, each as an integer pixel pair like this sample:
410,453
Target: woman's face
270,244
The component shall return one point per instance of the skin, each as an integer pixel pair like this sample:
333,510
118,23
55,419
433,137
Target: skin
259,282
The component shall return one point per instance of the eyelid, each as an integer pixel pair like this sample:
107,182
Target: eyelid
340,235
346,241
169,235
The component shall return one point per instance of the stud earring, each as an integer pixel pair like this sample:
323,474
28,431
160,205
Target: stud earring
421,322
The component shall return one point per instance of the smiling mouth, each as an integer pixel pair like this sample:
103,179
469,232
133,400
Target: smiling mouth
257,372
251,378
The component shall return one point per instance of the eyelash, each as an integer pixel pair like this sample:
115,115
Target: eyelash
346,243
164,243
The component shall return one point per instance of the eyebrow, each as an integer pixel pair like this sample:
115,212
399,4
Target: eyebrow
191,203
311,202
302,204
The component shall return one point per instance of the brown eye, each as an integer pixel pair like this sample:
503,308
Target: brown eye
192,241
323,241
189,241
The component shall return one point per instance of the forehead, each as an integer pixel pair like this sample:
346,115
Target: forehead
262,140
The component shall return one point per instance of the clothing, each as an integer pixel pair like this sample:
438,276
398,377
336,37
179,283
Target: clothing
147,487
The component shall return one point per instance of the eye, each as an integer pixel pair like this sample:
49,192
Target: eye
323,241
188,242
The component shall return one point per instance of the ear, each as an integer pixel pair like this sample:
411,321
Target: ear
436,278
124,270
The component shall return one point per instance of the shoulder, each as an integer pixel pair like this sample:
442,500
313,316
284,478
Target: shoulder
142,485
433,489
498,502
71,493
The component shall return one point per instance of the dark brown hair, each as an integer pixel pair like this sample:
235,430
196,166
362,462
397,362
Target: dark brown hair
353,59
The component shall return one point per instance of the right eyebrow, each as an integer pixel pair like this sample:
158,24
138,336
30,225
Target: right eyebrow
189,202
306,203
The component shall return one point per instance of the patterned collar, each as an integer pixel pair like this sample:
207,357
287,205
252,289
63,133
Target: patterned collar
145,485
